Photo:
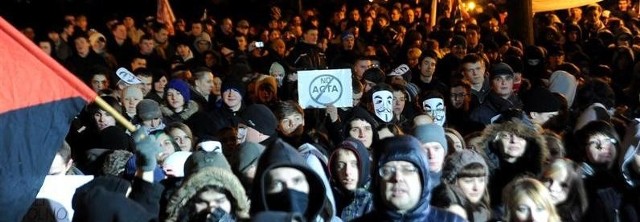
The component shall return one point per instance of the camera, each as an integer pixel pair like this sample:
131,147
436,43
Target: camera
259,44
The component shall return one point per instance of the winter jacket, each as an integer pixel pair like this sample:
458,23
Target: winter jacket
405,148
305,56
492,106
171,116
178,208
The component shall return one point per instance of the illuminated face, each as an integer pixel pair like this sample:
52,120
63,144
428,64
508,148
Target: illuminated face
362,130
428,67
558,186
175,99
282,178
502,85
401,185
399,101
147,83
474,72
160,84
435,108
204,85
528,210
458,96
182,139
104,119
513,146
436,153
383,105
210,200
99,82
472,187
346,167
601,149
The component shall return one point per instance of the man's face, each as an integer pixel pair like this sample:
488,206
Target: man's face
427,67
473,37
232,98
346,166
146,46
82,46
290,123
348,43
183,50
161,36
436,154
120,32
99,82
361,130
356,98
103,119
283,178
311,36
458,96
204,85
383,105
196,29
147,83
210,200
138,63
435,108
400,185
474,72
459,51
502,85
360,67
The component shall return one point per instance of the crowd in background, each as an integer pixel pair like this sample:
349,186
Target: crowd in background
451,122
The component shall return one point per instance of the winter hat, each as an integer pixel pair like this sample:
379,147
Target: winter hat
402,70
202,159
115,138
182,87
234,85
431,133
565,84
515,63
347,34
115,162
176,162
148,109
501,69
540,100
459,160
375,75
248,154
260,118
458,40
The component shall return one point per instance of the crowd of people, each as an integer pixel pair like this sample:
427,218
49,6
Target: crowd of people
455,121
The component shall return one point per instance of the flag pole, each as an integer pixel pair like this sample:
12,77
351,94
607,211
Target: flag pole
117,115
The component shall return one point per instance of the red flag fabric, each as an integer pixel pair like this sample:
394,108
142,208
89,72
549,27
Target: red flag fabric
164,15
38,100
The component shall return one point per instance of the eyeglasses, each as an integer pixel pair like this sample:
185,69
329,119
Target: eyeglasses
387,172
599,144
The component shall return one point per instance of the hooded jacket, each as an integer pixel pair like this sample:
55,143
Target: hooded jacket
405,148
352,204
280,154
178,208
565,84
501,171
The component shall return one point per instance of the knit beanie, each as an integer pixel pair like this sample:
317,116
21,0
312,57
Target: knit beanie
375,75
459,160
235,85
260,118
202,159
182,87
431,133
148,109
248,154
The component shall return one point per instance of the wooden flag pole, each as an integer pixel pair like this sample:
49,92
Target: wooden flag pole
118,116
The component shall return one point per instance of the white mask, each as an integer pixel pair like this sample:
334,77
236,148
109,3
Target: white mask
383,105
435,108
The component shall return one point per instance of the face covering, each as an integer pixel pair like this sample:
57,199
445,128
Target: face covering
434,107
289,201
383,105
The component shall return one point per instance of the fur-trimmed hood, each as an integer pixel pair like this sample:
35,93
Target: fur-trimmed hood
178,203
190,109
535,154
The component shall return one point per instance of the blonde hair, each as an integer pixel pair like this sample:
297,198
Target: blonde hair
520,188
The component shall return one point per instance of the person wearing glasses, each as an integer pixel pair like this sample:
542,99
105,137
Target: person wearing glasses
400,184
597,145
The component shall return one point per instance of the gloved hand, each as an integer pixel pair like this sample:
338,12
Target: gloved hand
147,150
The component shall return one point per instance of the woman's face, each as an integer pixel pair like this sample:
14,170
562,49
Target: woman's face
513,146
473,188
182,139
160,84
601,149
175,99
558,186
457,144
104,119
166,145
210,200
527,211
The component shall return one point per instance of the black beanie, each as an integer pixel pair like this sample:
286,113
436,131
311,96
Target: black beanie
233,84
260,118
540,100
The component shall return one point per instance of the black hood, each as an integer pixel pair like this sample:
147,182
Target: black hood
281,154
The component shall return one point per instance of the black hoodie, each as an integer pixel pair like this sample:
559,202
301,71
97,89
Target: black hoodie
280,154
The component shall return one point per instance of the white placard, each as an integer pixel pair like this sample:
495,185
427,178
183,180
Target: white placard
319,88
60,189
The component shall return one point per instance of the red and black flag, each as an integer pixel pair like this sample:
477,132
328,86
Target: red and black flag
38,100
